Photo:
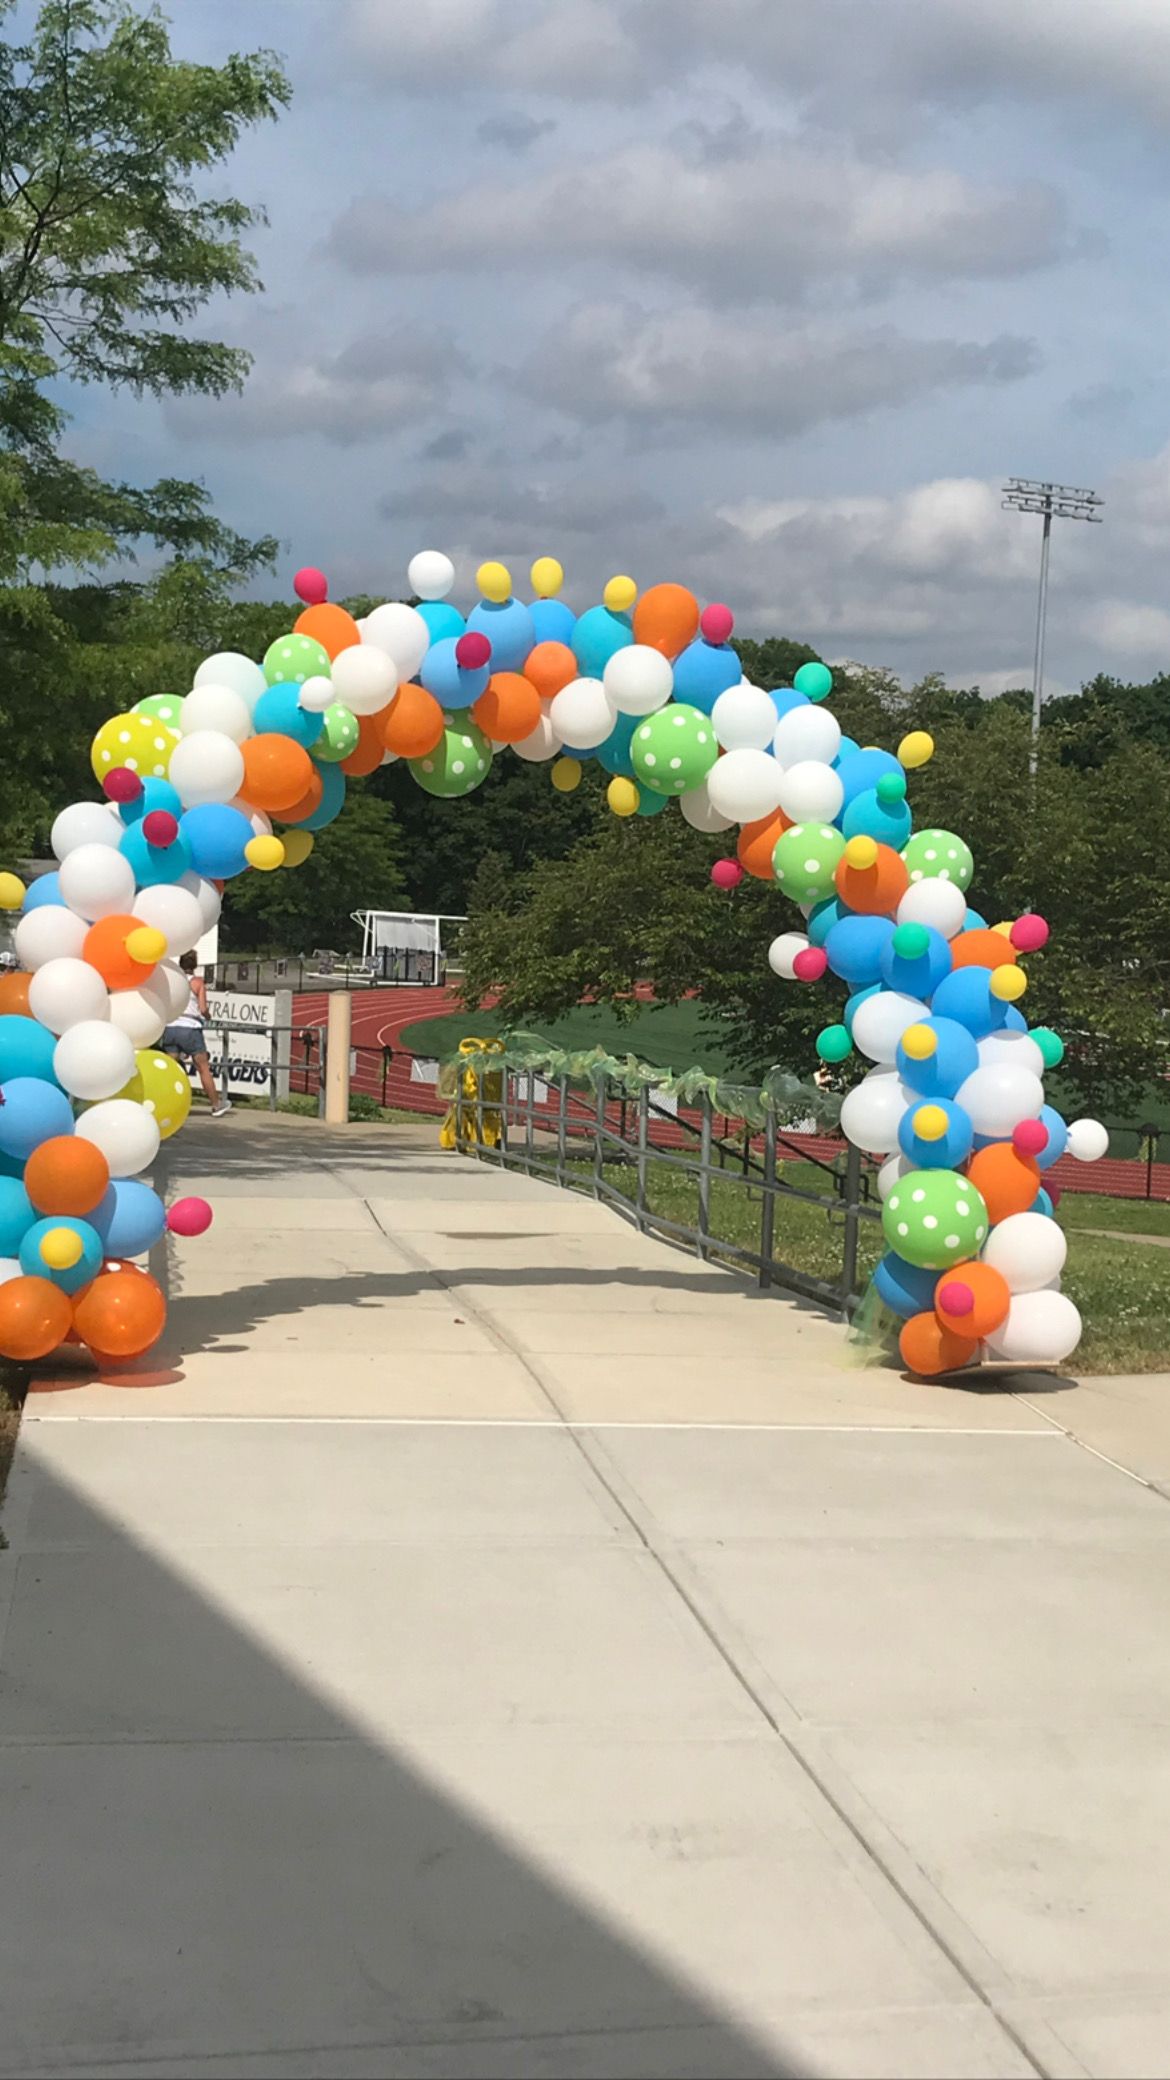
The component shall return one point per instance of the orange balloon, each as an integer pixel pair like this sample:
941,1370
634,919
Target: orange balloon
277,771
978,1295
757,842
308,804
414,723
121,1314
34,1318
508,709
981,949
548,667
371,746
667,619
927,1348
330,626
105,950
14,996
1007,1182
875,891
66,1175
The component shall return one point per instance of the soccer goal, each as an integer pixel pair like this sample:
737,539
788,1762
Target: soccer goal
410,946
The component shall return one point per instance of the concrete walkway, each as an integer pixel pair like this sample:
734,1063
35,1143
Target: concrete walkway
500,1645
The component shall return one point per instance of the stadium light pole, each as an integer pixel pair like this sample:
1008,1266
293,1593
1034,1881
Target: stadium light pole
1051,501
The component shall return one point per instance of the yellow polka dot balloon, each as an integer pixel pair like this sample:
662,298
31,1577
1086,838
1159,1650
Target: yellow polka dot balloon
140,742
162,1086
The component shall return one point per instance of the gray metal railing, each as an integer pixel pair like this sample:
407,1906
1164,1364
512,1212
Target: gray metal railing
572,1140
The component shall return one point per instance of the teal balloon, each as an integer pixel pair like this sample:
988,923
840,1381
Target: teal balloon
87,1266
650,804
17,1215
867,816
614,754
597,637
441,618
332,799
26,1049
814,681
279,713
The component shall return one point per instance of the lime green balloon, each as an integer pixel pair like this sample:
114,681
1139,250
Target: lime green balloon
939,855
339,736
935,1218
456,765
675,749
292,659
165,707
804,860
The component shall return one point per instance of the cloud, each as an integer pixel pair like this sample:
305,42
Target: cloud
769,225
578,47
513,129
616,361
374,385
1130,627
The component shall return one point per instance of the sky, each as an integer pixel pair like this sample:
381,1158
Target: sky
768,297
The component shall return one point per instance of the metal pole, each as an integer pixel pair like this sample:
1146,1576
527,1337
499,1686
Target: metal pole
852,1223
562,1101
643,1139
704,1173
1041,621
599,1139
768,1208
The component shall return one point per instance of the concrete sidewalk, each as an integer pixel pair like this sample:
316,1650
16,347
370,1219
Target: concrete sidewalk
501,1645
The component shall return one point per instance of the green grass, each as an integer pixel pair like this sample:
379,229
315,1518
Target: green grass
1133,1216
1123,1292
668,1035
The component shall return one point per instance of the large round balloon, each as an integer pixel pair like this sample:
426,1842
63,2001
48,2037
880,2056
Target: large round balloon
935,853
26,1049
35,1316
66,1174
292,659
805,861
32,1112
66,1250
675,749
666,618
458,764
935,1218
121,1315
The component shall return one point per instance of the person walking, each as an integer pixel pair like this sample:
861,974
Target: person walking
185,1036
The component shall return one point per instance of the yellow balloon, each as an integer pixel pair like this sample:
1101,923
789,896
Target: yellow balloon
916,749
146,944
297,847
162,1086
622,796
620,594
12,891
930,1122
1008,983
919,1042
495,582
141,742
265,853
547,577
61,1249
565,775
861,851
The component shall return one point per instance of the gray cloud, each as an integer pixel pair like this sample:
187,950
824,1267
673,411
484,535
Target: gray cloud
514,130
375,384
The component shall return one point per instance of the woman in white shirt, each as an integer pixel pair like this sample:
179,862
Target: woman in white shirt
185,1036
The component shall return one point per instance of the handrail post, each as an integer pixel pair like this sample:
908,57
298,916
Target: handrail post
337,1078
852,1223
530,1123
562,1102
643,1143
599,1137
768,1202
704,1175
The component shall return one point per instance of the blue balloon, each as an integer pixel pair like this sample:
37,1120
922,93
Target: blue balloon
1042,1203
1057,1140
216,835
867,816
332,800
973,922
703,671
785,698
822,917
949,1149
26,1049
45,889
17,1214
863,769
846,749
155,864
954,1059
1014,1020
597,637
278,712
614,753
552,621
454,685
905,1288
129,1218
87,1266
855,946
156,794
965,995
858,998
33,1111
649,803
509,630
441,618
918,975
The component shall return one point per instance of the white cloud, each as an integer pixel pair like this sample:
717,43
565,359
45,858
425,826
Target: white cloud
373,385
1130,627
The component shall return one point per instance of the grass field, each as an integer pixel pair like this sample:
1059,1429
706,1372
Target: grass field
669,1035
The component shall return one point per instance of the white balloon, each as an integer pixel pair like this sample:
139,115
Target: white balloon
140,1013
97,882
937,903
50,933
582,714
126,1133
1088,1140
364,678
744,718
811,792
93,1059
173,911
1009,1049
430,574
317,694
783,951
216,707
892,1169
880,1021
232,668
206,767
698,811
541,743
173,986
744,785
85,823
638,680
1029,1250
1041,1328
66,991
401,632
998,1097
208,896
871,1112
10,1267
260,821
807,732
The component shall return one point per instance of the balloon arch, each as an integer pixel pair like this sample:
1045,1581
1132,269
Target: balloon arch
650,687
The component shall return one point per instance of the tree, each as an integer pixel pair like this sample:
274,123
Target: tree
355,864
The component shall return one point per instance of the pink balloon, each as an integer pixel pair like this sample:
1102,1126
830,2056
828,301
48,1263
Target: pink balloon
1029,1137
473,650
717,622
189,1217
956,1297
1029,932
121,785
160,827
810,964
311,585
727,873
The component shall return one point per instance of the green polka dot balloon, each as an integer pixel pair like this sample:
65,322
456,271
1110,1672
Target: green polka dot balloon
935,1218
941,855
675,749
456,765
292,659
804,860
339,735
165,708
